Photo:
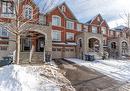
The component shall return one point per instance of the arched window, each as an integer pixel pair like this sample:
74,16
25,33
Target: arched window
124,48
113,45
56,20
63,8
28,12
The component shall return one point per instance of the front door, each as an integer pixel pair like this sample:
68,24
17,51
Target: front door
26,44
41,44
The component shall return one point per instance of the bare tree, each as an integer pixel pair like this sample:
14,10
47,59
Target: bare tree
17,26
126,18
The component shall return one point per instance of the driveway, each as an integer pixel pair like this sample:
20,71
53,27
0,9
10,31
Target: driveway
87,79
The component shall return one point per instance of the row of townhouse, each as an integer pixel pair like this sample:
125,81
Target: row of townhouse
59,33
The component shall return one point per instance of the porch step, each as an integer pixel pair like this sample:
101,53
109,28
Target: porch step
37,58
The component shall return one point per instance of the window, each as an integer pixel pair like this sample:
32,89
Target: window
71,50
70,36
70,25
113,45
79,27
56,20
94,29
104,31
3,48
7,7
112,33
53,49
42,19
28,12
85,28
67,50
3,32
98,19
56,35
58,49
63,8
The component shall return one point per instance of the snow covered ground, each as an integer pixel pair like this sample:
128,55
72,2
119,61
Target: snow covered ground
33,78
116,69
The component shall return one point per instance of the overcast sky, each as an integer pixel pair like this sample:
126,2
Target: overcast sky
111,10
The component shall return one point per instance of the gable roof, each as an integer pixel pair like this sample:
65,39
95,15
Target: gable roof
58,6
105,23
90,21
120,28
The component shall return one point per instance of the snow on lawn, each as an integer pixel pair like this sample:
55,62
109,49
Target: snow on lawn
33,78
116,69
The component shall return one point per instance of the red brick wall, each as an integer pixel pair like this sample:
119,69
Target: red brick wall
62,28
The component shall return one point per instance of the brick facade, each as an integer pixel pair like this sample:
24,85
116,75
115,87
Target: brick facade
95,35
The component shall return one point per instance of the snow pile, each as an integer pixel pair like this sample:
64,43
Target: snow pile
116,69
32,78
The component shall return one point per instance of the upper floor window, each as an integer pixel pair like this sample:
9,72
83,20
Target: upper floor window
69,25
98,19
111,33
63,8
56,35
104,30
42,19
28,12
70,36
3,32
79,27
56,20
7,7
94,29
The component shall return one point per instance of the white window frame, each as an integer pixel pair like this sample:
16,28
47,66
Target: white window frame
3,31
63,8
69,25
42,19
26,12
56,22
79,27
7,6
104,30
98,19
56,37
69,36
94,29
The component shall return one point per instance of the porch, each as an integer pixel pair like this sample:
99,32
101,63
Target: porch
32,46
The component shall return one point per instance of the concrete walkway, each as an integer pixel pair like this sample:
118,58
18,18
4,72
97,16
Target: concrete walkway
85,79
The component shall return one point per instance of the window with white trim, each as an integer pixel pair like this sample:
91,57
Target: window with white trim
3,48
28,12
94,29
63,8
79,27
56,20
42,19
56,35
104,30
70,36
4,32
7,7
98,19
69,25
